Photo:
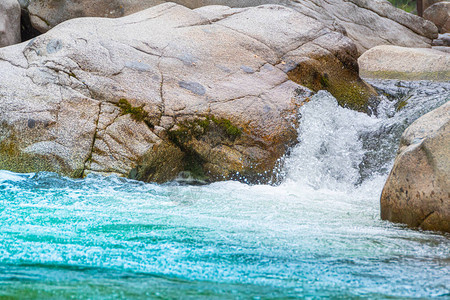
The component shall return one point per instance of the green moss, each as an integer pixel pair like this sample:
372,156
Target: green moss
352,94
13,159
228,127
324,81
201,126
342,81
209,129
179,136
400,105
136,113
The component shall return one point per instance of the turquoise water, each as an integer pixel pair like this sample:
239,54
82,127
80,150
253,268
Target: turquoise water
316,234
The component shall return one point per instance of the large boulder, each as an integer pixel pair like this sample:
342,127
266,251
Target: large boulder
213,91
46,14
439,14
9,22
392,62
417,191
368,22
426,4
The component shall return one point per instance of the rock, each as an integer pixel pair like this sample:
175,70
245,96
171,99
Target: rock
442,40
428,3
370,23
439,14
9,22
392,62
169,89
417,191
46,14
445,49
367,22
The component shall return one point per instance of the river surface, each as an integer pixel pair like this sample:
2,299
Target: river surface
315,234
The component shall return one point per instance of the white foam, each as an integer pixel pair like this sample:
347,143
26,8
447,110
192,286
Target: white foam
15,177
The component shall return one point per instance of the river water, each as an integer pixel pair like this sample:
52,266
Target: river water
315,234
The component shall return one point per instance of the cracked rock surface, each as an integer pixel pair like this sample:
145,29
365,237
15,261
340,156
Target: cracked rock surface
417,191
368,23
213,91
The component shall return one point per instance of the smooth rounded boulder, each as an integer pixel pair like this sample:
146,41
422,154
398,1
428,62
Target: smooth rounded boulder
213,91
9,22
439,14
417,191
392,62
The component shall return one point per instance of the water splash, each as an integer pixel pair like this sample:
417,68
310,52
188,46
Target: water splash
339,148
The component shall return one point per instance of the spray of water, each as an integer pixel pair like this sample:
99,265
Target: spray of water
341,149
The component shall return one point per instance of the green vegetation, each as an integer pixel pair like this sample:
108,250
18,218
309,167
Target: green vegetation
199,127
137,113
14,159
231,130
406,5
207,128
343,83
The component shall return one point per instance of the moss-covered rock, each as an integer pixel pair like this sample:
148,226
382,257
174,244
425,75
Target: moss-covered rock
163,162
15,159
207,142
327,72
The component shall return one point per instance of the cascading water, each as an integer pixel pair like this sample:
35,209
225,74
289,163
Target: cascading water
317,234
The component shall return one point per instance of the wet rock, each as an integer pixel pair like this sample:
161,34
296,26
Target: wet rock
442,40
439,14
417,191
164,91
9,22
392,62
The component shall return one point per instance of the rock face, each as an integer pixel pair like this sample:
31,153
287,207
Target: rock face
9,22
47,14
428,3
417,191
370,23
367,22
213,91
392,62
439,14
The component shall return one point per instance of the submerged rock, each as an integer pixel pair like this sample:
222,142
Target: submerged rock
417,191
367,22
9,22
392,62
169,89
